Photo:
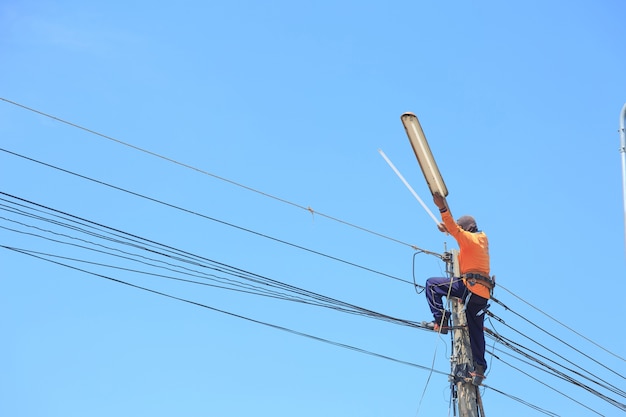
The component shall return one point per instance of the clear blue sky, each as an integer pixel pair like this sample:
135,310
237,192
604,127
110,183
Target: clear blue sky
520,103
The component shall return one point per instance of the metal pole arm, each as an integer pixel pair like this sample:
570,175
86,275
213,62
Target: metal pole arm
622,149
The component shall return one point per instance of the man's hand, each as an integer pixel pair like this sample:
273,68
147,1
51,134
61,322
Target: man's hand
440,201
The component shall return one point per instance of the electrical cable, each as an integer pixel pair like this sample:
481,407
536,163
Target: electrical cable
543,367
515,347
245,187
44,206
431,368
414,283
559,374
274,326
521,350
550,387
241,273
519,400
557,321
416,286
560,340
210,218
616,390
137,148
58,223
239,316
249,276
321,301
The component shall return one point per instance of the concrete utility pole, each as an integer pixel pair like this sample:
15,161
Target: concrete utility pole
468,397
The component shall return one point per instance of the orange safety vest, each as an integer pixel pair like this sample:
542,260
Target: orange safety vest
473,257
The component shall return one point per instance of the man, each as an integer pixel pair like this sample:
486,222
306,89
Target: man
473,287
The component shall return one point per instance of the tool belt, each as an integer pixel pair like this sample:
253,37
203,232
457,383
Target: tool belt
473,278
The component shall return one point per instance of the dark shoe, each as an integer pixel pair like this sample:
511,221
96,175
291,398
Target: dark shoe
478,375
440,325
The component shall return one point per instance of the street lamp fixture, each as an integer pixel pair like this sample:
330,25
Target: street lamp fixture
423,154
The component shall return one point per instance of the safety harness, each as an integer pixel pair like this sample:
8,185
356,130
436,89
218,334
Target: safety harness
472,278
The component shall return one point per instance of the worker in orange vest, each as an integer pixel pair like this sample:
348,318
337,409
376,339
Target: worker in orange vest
473,286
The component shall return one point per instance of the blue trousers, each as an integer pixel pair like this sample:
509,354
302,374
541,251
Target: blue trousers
437,288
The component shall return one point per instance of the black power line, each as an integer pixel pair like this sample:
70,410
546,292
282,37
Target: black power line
291,298
121,236
208,217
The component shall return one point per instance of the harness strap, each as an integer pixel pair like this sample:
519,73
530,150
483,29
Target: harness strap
469,294
473,278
